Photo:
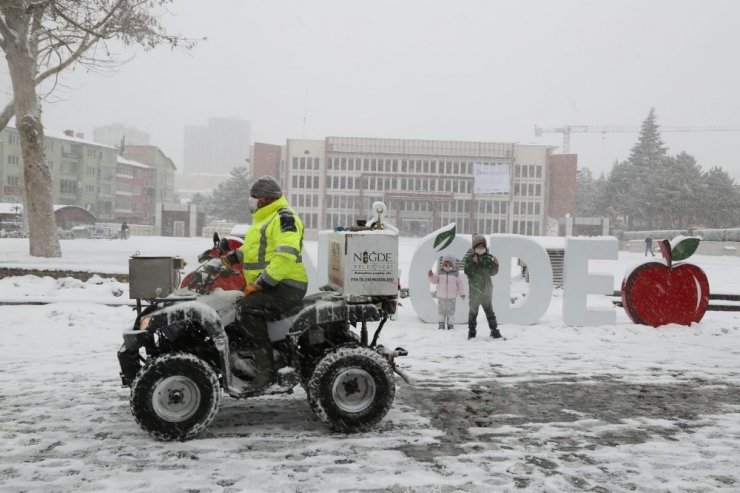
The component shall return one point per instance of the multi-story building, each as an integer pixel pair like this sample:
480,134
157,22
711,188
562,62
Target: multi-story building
93,176
164,169
217,148
135,192
425,184
117,134
83,172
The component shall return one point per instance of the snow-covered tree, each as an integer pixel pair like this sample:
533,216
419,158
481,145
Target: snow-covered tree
719,204
42,38
230,200
649,150
676,189
587,194
619,195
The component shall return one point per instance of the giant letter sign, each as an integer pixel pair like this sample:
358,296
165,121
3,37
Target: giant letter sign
578,284
506,248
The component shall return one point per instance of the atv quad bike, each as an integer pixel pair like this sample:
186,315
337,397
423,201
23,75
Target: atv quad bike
175,358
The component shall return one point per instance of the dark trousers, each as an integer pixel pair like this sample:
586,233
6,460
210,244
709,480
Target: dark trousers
252,314
475,303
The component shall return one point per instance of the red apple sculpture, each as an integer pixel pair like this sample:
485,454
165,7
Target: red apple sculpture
657,294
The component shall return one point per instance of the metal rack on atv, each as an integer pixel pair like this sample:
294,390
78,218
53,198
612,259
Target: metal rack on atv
175,357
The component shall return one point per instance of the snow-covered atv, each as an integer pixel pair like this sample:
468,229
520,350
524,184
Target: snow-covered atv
175,359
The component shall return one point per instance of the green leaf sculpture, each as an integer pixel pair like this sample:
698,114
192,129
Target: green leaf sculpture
444,238
683,247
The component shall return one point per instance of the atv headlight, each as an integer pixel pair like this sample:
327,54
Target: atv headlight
144,322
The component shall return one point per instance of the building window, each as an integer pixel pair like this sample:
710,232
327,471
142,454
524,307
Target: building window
13,160
67,186
295,163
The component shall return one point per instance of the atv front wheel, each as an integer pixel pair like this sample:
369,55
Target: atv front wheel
174,397
351,389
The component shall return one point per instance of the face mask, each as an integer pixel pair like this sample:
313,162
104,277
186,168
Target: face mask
252,204
447,268
480,251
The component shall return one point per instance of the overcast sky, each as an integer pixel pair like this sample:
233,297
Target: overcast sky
464,70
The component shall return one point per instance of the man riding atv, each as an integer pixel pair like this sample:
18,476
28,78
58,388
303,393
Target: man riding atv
178,355
275,275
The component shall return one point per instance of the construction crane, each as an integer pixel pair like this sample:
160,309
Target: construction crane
566,130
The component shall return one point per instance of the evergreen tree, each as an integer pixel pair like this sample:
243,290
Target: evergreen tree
587,194
686,189
629,189
720,200
230,197
649,150
619,195
204,203
652,190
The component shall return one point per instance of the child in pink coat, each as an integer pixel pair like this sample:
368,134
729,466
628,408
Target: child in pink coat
450,285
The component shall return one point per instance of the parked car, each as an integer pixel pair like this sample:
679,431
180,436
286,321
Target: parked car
94,232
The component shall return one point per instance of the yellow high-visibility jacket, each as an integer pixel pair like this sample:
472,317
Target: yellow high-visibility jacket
271,252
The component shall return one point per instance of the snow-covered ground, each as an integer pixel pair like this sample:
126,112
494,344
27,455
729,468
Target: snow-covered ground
552,408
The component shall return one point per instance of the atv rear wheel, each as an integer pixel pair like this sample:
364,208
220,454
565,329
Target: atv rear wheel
174,397
351,389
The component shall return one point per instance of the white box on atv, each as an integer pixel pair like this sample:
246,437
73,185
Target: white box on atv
364,263
153,277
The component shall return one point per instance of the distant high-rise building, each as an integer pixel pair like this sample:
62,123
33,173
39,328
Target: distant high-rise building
114,133
218,148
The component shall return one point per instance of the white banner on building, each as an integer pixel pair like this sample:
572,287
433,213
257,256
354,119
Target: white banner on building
490,178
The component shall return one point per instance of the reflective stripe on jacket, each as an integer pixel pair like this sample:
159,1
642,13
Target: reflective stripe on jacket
271,253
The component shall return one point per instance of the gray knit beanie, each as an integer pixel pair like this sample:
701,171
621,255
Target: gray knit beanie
478,239
265,186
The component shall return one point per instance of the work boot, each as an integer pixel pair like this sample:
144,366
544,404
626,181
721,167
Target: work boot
263,362
242,365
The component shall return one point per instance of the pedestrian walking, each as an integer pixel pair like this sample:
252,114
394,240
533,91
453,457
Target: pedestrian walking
649,246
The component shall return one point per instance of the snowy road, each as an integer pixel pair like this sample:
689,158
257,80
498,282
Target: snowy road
551,409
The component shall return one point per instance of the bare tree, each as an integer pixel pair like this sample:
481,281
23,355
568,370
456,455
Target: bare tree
41,38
